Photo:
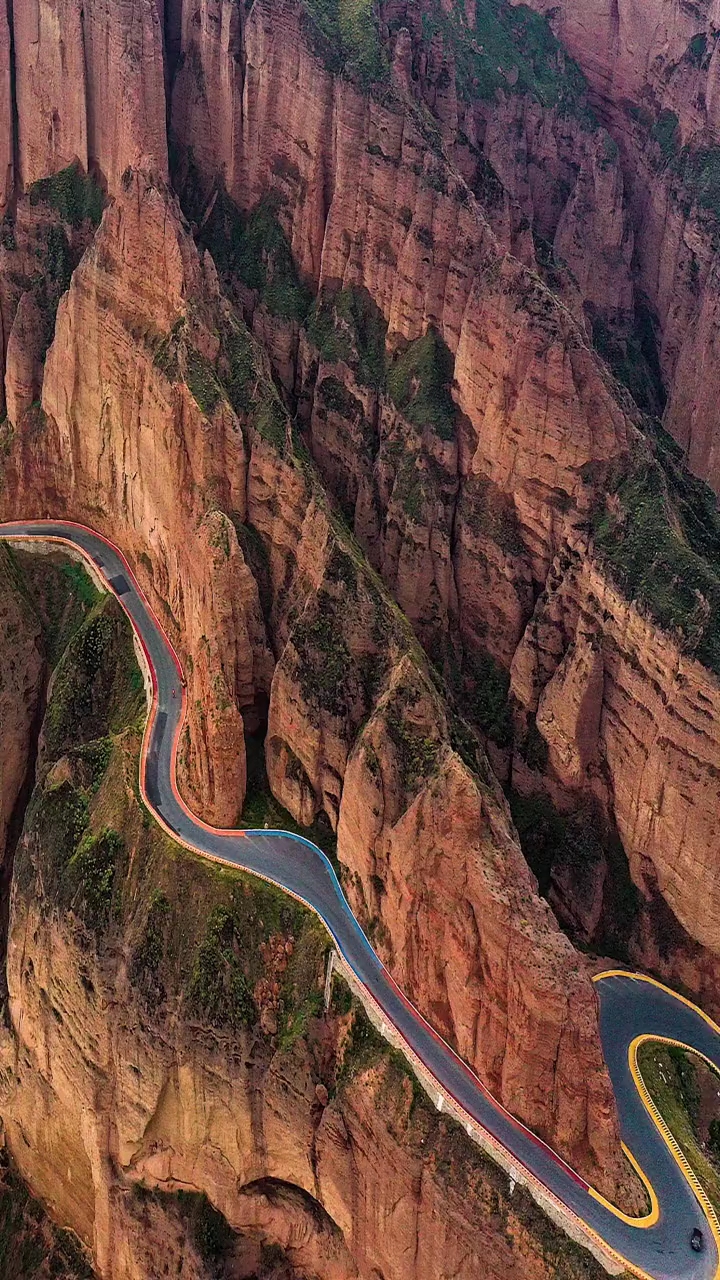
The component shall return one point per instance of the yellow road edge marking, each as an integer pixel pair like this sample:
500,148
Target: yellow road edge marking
651,1218
589,1231
671,1142
644,977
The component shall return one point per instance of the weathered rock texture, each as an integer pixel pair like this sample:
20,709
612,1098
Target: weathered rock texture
463,250
124,1071
71,62
655,69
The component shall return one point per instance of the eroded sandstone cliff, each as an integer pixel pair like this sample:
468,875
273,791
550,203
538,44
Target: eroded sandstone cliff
150,1051
380,301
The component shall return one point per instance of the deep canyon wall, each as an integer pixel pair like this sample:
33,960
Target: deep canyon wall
339,339
155,1059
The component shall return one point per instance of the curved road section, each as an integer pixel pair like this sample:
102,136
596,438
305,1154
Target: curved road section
656,1246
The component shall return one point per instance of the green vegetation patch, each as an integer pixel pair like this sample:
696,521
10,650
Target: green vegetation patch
365,1047
237,366
419,385
660,541
97,682
96,692
346,36
695,170
81,870
148,955
253,250
229,965
324,660
349,326
674,1080
417,753
487,697
73,194
210,1232
219,990
699,172
59,592
91,873
202,381
513,49
666,132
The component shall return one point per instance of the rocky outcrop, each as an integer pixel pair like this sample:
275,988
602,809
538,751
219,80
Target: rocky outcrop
132,436
191,1112
654,72
646,745
71,61
446,866
138,1054
450,235
152,442
630,52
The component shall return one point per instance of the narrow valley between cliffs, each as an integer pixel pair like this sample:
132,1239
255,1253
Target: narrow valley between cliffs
372,345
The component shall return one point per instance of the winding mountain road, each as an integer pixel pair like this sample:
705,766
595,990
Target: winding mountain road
631,1006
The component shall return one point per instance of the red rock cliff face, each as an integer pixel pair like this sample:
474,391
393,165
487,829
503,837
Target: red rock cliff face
131,438
643,61
71,61
627,49
151,443
234,1114
642,736
139,437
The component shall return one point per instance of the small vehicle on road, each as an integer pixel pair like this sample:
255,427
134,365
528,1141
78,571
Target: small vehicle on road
696,1240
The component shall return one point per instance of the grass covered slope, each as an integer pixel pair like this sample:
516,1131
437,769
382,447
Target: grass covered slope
686,1092
657,533
92,850
508,48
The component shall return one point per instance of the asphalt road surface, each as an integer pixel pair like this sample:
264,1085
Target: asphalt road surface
629,1005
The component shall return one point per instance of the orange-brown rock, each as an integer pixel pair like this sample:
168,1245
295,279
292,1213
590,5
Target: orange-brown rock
24,359
234,1114
642,61
626,49
436,858
72,62
648,742
369,199
569,711
151,444
7,121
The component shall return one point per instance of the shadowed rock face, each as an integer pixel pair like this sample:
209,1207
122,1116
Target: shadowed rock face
653,70
383,312
342,654
152,1050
